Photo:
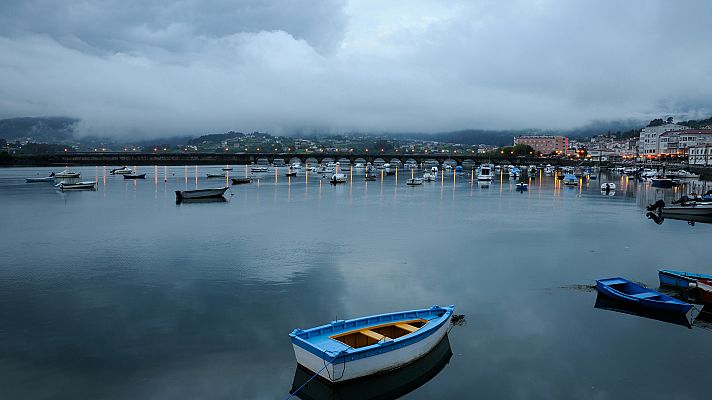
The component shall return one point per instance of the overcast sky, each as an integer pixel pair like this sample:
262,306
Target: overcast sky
196,66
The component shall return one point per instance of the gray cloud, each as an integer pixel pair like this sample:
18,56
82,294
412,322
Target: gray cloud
175,67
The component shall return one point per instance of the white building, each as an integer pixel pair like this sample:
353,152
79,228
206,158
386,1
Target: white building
677,142
650,138
699,149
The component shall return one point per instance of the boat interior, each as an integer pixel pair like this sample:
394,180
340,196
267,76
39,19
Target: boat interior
374,334
635,291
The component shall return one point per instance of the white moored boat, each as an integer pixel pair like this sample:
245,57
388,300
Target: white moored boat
345,350
485,173
67,174
200,194
87,185
121,171
259,168
337,178
414,182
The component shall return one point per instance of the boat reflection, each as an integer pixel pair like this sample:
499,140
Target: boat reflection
205,200
389,385
606,303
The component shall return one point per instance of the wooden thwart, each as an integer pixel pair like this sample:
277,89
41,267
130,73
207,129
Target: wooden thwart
373,335
407,327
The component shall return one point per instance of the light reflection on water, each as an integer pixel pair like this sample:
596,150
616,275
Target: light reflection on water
120,293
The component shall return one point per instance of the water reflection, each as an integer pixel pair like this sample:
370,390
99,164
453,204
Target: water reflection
389,385
205,200
606,303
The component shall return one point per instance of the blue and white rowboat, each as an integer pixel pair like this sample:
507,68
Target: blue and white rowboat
632,293
347,349
680,279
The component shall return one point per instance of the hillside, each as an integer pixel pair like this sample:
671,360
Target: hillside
697,124
40,129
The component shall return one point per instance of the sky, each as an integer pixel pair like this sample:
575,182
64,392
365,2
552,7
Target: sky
140,68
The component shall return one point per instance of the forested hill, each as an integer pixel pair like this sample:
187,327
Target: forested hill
40,129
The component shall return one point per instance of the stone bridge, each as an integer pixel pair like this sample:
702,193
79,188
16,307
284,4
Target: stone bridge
132,158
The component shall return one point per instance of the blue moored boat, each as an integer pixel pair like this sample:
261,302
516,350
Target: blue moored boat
680,279
345,350
632,293
570,180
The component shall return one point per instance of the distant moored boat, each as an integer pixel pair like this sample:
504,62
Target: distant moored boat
49,178
87,185
240,181
67,174
200,193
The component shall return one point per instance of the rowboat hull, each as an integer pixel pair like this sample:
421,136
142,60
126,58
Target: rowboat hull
200,194
389,385
607,303
68,175
380,357
36,180
76,186
632,293
704,291
141,176
679,279
241,181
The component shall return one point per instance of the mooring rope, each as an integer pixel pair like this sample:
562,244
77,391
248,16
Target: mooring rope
326,364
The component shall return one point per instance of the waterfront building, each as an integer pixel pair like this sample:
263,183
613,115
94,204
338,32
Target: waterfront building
678,142
698,146
650,138
544,144
700,154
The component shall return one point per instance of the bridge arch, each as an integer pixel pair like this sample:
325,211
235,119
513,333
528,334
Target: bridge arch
449,161
344,163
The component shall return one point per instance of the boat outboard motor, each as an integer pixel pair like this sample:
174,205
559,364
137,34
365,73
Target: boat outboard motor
656,206
658,219
682,200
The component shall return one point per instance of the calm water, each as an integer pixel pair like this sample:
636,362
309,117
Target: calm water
120,293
